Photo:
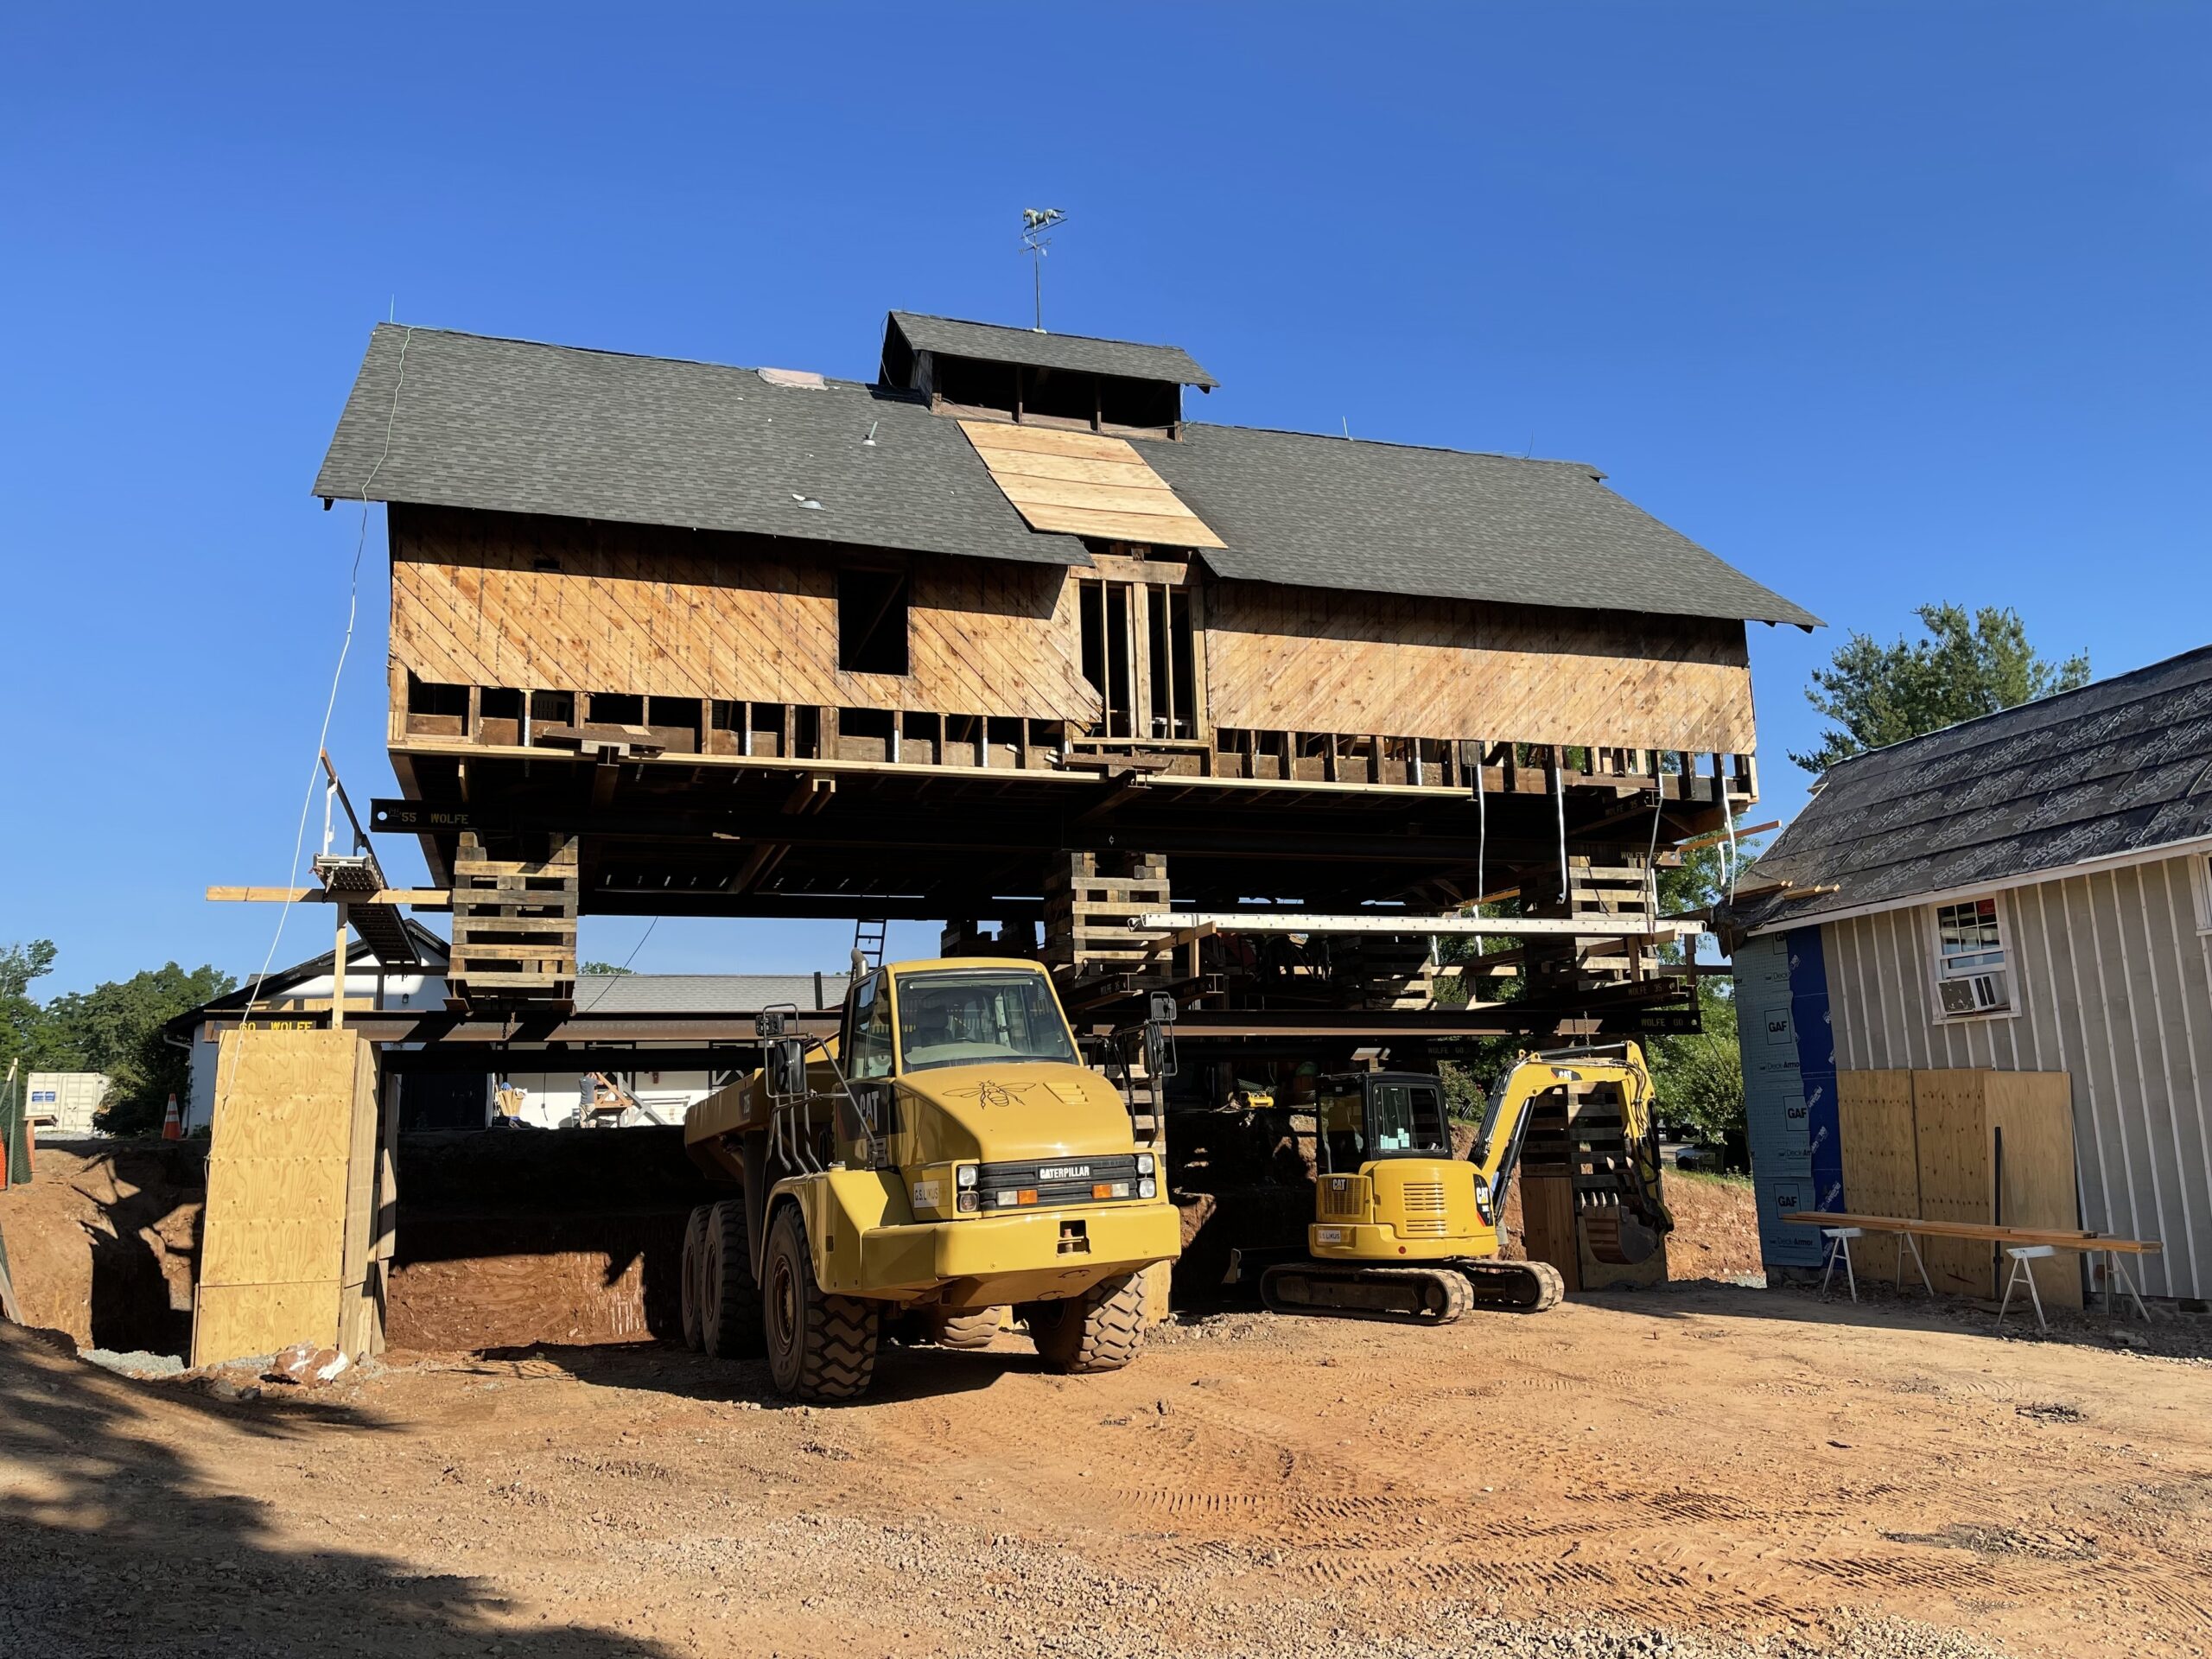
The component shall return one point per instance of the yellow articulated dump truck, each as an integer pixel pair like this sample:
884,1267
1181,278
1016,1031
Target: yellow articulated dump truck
947,1155
1402,1230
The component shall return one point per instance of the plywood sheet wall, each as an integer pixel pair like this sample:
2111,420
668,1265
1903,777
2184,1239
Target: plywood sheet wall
1927,1144
285,1239
1954,1142
1305,659
488,599
2031,1117
1881,1159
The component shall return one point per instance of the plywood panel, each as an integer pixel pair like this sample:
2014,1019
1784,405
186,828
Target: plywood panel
1951,1123
1119,496
483,599
295,1120
1548,1215
233,1321
1881,1158
1298,659
2030,1117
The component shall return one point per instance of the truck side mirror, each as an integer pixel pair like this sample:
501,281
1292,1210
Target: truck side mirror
786,1066
1159,1047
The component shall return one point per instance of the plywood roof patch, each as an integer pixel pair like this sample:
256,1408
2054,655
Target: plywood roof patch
1082,484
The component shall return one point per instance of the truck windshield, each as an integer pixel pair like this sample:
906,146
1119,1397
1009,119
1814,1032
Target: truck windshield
1389,1119
974,1016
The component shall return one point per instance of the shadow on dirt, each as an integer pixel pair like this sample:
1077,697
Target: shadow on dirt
114,1541
919,1371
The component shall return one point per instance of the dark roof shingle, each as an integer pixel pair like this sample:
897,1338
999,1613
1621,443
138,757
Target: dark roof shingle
2123,765
509,426
1078,354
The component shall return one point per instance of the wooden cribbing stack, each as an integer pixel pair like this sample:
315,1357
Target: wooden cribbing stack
514,925
1089,901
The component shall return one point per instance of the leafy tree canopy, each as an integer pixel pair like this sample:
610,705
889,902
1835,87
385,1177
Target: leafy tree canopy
1967,666
115,1029
20,964
600,969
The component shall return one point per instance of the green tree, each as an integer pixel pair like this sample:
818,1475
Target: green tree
1699,1077
22,1020
601,970
116,1028
1878,695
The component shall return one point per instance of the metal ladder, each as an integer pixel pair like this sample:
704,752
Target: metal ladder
868,942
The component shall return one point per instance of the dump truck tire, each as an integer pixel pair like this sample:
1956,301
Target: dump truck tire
730,1297
694,1285
1101,1330
963,1330
820,1347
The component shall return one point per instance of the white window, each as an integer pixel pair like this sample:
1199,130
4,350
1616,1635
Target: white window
2201,879
1973,976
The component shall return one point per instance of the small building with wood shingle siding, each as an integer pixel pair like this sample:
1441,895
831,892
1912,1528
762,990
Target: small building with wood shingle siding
2029,891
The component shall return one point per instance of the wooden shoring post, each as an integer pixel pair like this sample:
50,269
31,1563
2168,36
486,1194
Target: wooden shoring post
338,971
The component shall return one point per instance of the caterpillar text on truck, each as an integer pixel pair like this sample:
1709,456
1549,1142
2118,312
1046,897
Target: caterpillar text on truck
947,1156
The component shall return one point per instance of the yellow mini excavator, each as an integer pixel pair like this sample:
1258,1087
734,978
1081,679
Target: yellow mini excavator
1404,1230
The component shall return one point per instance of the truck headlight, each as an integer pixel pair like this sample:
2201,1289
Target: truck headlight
963,1175
1144,1163
1148,1188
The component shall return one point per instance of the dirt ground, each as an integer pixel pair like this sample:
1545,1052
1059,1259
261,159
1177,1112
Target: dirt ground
1704,1465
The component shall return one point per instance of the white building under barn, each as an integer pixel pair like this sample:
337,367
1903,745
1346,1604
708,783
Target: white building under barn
640,1094
2030,891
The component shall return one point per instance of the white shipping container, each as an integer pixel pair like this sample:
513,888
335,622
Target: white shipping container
61,1103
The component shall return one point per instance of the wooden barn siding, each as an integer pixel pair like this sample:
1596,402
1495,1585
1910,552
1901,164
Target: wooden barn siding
1304,659
683,614
2113,985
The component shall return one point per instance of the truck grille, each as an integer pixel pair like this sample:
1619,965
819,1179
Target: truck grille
1424,1214
1055,1180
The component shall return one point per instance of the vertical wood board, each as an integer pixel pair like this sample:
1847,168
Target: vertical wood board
2033,1185
1881,1158
1951,1123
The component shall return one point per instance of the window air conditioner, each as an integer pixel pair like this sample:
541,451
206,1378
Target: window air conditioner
1975,994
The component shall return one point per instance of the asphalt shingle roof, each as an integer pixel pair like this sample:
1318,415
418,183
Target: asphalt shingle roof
510,426
703,992
1079,353
2120,767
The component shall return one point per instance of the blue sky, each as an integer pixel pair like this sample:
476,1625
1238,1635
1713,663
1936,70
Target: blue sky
1883,303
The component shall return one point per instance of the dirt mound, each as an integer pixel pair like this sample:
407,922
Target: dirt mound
1716,1227
102,1243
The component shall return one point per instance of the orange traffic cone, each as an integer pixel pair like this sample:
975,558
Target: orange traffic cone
172,1124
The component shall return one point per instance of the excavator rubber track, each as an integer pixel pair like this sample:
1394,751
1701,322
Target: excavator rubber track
1514,1287
1435,1295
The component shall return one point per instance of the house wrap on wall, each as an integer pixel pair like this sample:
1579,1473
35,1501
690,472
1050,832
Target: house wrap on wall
2027,891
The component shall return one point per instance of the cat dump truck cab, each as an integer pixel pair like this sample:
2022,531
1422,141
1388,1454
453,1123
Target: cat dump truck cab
1402,1230
948,1155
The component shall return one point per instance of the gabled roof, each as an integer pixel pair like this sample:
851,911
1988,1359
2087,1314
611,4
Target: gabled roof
2119,767
1079,353
435,952
508,426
